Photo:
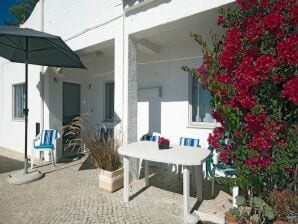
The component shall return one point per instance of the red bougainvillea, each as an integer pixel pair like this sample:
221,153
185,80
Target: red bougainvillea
287,50
251,74
290,89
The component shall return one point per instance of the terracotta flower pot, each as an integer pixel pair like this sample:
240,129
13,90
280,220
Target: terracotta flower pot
229,219
110,180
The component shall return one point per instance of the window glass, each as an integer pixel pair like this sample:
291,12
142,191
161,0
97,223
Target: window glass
19,101
201,110
109,101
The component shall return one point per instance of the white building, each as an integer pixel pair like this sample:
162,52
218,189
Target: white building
133,51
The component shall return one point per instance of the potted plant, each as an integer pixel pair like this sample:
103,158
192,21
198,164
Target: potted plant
102,151
284,205
105,157
232,216
253,211
163,143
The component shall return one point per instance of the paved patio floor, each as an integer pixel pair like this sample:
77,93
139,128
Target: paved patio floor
70,194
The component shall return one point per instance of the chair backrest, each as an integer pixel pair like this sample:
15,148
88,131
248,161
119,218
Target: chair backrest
106,133
190,142
152,138
49,136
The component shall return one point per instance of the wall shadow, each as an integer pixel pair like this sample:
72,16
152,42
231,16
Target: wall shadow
151,116
8,164
170,181
87,164
130,3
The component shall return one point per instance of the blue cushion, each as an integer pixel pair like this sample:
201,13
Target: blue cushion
105,133
152,138
44,147
225,166
190,142
48,137
225,170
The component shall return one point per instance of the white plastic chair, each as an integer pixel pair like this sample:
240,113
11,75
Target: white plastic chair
154,137
45,141
218,169
186,142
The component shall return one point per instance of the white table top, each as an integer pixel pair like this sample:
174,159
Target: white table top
182,155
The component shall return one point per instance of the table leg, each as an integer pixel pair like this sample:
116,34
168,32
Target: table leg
146,169
186,188
213,179
126,178
198,173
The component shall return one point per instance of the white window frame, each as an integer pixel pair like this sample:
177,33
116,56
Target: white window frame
14,102
106,103
196,124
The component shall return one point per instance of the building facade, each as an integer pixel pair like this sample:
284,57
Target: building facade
133,51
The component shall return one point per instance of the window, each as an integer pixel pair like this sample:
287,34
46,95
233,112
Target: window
109,101
200,103
19,101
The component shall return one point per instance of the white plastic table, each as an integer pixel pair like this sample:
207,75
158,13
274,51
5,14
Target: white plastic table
181,155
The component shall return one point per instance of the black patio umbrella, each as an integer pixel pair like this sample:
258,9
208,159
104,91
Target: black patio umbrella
34,47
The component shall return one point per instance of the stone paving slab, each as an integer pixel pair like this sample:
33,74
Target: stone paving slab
70,194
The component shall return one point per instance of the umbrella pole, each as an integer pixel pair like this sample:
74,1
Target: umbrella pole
26,111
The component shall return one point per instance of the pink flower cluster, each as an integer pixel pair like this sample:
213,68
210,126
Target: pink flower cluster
272,21
246,4
215,137
290,90
258,162
163,140
217,117
232,47
287,50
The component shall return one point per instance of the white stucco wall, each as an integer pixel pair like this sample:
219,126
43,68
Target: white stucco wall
99,71
164,70
166,11
12,131
85,25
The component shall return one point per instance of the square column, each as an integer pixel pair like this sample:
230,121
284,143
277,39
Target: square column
130,90
126,89
126,95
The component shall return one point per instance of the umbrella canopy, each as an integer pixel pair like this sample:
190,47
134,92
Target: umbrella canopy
34,47
40,48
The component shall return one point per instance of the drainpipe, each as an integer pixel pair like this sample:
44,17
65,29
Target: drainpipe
123,36
42,155
42,69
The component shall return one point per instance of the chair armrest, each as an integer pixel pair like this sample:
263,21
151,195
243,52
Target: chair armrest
35,140
215,157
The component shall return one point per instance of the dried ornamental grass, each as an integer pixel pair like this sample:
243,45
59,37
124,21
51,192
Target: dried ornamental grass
103,153
285,205
74,132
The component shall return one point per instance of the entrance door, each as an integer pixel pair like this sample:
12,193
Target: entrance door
71,103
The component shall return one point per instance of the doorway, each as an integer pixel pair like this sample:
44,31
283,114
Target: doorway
71,108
